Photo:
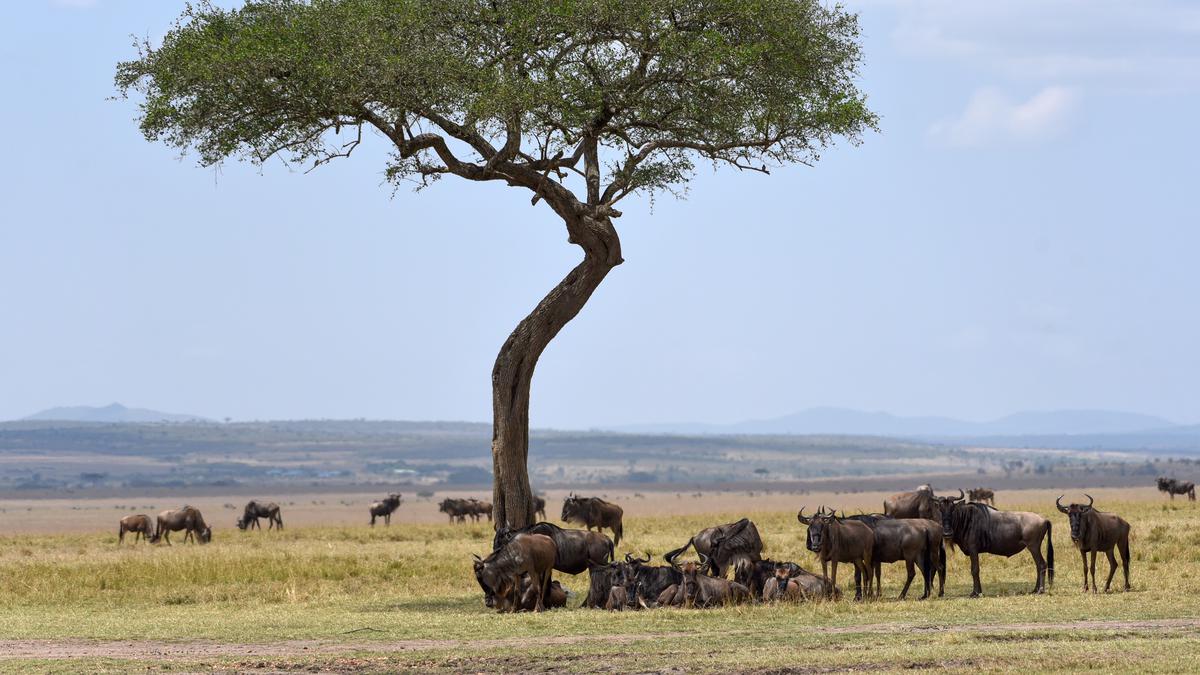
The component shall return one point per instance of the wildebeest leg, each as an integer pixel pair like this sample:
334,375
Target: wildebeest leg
976,587
121,535
1039,585
1123,545
912,572
1083,555
1095,584
1112,568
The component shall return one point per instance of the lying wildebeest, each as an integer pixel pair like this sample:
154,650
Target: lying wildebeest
500,572
789,578
1174,487
1093,531
618,599
140,525
701,590
601,581
645,583
385,507
539,507
920,503
916,541
593,512
835,540
555,597
576,549
187,518
787,584
978,528
725,546
982,495
255,510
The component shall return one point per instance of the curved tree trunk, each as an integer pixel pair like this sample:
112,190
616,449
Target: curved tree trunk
512,376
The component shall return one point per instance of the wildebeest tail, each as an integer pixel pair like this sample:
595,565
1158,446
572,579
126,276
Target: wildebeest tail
612,553
670,556
1049,553
617,530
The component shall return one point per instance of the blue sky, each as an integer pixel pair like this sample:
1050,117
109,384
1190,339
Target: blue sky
1022,234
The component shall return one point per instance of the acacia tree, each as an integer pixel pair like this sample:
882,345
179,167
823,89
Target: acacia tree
581,103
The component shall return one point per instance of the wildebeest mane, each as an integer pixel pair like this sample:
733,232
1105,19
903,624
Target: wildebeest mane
972,525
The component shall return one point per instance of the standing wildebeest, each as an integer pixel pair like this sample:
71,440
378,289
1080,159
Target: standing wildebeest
539,507
1174,487
255,510
140,525
456,509
477,509
978,528
188,519
500,572
920,503
1093,531
576,549
916,541
385,508
982,495
594,512
725,546
702,590
835,540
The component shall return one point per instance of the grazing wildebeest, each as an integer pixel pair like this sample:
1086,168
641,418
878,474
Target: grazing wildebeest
593,512
500,572
140,525
982,495
920,503
539,507
576,549
702,590
645,583
1174,487
835,540
916,541
187,518
978,528
555,597
255,510
1093,531
385,507
725,546
787,584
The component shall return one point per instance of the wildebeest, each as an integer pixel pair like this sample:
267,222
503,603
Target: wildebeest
982,495
140,525
539,507
702,590
725,546
790,580
1174,487
1093,531
601,580
618,599
455,509
978,528
920,503
187,518
645,583
385,507
477,509
575,549
555,597
916,541
255,510
594,512
836,540
500,572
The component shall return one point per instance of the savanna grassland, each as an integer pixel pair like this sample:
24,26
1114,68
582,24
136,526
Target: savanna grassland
349,597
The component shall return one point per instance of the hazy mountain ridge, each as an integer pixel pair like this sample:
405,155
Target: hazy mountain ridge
112,413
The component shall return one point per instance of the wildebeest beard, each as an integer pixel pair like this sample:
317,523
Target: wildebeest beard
969,525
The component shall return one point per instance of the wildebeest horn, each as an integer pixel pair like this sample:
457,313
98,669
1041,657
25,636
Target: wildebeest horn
1090,500
800,516
1058,503
961,494
629,557
476,556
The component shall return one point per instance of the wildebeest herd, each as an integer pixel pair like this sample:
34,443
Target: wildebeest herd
914,528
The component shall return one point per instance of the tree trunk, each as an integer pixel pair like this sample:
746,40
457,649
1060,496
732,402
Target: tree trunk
512,376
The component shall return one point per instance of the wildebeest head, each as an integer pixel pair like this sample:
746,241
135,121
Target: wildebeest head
571,508
817,525
946,505
242,523
205,535
691,587
1075,514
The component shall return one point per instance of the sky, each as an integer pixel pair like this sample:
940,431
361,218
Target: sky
1020,235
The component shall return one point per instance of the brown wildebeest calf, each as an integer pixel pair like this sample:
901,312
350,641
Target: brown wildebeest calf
140,525
188,519
982,495
701,590
835,540
255,510
791,582
594,512
531,554
978,528
1093,531
385,507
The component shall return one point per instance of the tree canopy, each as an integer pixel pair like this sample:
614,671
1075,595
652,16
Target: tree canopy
624,95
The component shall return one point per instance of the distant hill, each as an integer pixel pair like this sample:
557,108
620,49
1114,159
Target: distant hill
857,422
114,413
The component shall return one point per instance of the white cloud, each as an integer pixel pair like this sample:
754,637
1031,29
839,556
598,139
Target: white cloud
992,117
